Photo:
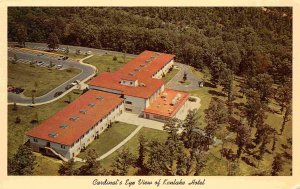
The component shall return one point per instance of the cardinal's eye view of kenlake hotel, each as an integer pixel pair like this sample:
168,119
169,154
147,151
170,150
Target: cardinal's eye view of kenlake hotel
135,88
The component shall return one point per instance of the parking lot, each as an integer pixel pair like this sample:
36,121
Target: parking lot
44,59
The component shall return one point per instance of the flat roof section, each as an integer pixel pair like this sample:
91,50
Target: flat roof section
167,103
73,121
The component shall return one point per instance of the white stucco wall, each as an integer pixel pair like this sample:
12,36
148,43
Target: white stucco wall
164,70
137,106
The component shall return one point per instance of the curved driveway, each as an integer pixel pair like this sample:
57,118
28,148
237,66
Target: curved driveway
176,85
87,72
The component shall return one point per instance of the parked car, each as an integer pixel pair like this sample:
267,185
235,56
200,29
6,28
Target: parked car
69,86
57,94
65,58
59,66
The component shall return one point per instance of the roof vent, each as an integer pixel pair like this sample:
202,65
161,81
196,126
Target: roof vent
143,65
100,97
63,126
91,104
137,69
147,61
53,134
157,53
73,118
131,74
142,84
83,111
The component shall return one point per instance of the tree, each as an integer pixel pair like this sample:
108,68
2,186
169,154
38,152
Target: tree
172,126
158,159
36,84
262,83
284,95
91,165
215,115
15,107
21,34
52,41
286,117
254,108
33,96
184,77
189,125
226,80
67,168
243,135
217,68
18,120
23,162
277,165
123,162
140,162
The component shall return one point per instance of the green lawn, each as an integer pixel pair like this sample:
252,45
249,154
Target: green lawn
110,138
16,132
25,76
133,144
72,55
170,75
105,62
45,165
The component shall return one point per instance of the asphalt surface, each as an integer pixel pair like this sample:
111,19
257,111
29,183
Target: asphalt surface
28,55
176,85
72,49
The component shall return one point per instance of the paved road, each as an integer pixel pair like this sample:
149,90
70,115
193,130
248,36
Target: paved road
72,49
174,82
87,71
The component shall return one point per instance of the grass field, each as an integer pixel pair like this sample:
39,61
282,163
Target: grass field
16,132
25,76
133,144
110,138
72,55
105,62
170,75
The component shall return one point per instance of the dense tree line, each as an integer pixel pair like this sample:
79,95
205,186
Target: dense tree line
246,40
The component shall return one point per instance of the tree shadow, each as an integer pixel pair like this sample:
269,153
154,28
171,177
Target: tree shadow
208,84
248,161
215,93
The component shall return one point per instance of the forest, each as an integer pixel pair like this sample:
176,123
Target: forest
249,49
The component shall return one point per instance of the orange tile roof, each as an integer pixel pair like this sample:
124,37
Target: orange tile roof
162,104
85,121
142,70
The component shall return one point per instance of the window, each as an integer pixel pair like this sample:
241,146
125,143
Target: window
63,146
128,109
128,102
35,140
130,82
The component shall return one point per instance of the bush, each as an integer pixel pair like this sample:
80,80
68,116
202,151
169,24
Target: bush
115,58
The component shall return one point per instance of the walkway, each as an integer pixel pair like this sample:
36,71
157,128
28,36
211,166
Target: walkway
176,85
136,120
